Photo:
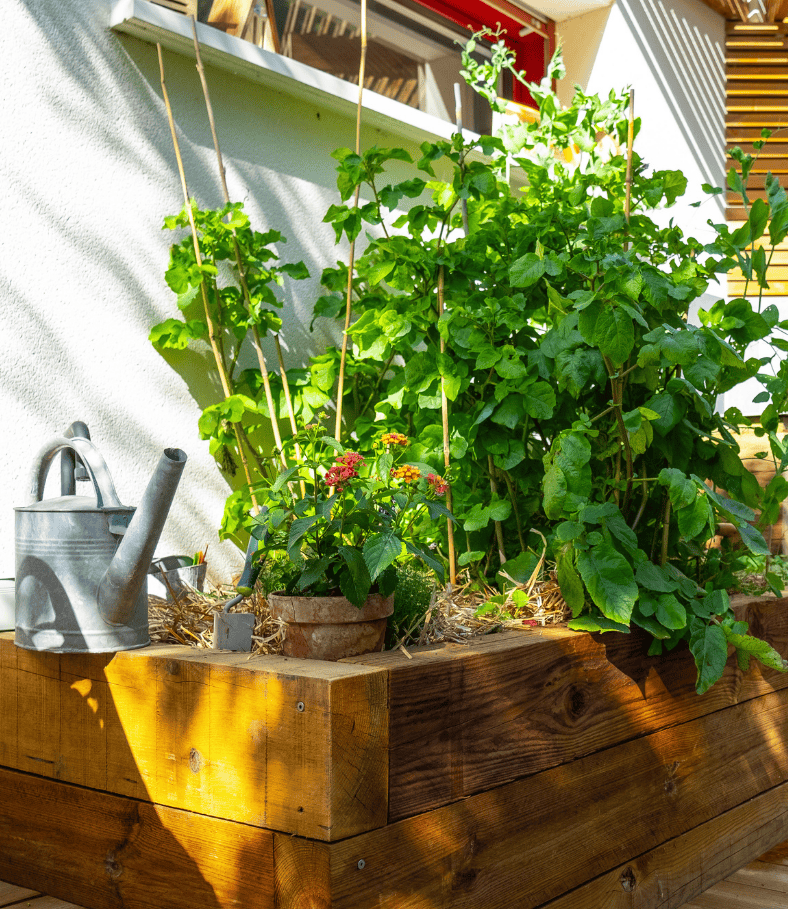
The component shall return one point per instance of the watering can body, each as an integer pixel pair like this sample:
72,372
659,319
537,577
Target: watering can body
82,561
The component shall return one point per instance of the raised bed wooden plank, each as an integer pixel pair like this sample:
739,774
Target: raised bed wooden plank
552,832
464,719
293,745
110,852
682,868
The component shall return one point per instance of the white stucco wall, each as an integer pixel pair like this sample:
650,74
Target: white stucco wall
87,174
672,52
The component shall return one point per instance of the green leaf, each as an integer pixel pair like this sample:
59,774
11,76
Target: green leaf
314,570
609,580
709,647
298,529
570,584
694,518
509,412
670,612
387,581
519,569
538,401
429,561
526,270
568,530
283,477
355,583
682,490
670,412
654,578
615,334
470,556
746,646
380,551
752,539
596,623
554,489
173,334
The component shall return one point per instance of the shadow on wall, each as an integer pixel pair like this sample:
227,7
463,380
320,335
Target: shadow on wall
580,39
82,272
686,55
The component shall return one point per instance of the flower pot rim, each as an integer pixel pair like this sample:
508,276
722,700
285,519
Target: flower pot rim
328,610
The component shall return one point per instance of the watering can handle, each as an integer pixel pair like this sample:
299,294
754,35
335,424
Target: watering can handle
90,457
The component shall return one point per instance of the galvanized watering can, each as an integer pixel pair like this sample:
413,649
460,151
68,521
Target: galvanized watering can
82,562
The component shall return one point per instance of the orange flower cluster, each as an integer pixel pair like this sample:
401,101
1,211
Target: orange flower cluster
440,485
393,438
406,472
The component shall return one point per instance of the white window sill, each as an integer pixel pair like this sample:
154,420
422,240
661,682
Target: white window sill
152,24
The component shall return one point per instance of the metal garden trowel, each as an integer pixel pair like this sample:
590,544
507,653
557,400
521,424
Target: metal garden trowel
233,630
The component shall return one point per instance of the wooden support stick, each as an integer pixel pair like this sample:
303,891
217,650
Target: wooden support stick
630,143
241,270
498,524
198,255
352,256
446,445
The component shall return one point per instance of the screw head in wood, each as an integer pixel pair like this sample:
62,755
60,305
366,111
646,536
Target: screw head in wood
300,707
361,864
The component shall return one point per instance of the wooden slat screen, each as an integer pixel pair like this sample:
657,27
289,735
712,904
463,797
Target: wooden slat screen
757,98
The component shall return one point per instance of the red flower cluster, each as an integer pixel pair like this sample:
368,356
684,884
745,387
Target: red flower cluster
343,470
440,485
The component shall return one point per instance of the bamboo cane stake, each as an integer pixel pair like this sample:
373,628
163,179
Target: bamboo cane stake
352,256
630,143
498,524
211,327
242,272
446,446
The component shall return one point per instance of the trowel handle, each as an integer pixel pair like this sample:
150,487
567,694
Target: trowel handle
246,574
89,455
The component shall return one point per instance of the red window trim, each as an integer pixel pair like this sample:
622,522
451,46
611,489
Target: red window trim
475,15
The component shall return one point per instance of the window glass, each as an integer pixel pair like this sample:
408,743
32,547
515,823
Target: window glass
413,55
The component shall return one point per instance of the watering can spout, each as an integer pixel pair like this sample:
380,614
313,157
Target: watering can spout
121,585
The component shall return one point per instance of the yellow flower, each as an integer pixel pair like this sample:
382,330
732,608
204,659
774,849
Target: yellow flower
406,472
393,438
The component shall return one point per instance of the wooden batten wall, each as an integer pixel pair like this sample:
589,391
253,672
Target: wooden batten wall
757,98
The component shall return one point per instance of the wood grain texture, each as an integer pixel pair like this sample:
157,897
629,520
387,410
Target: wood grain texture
766,875
219,734
110,852
465,718
48,902
543,836
10,893
735,896
682,868
302,873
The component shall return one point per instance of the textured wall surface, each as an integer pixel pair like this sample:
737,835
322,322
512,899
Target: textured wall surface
87,174
672,52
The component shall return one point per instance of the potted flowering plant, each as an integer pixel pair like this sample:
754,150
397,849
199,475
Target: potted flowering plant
343,518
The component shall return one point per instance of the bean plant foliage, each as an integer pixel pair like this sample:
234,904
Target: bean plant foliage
583,401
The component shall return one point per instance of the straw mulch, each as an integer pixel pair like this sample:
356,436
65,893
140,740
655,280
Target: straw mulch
450,618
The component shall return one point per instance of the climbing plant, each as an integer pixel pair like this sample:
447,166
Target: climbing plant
583,399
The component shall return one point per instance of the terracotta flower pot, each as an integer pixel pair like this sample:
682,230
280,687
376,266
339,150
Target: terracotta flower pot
330,628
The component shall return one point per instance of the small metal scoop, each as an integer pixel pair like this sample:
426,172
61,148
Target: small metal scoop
233,630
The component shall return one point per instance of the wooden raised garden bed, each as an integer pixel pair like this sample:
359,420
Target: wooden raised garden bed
532,769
